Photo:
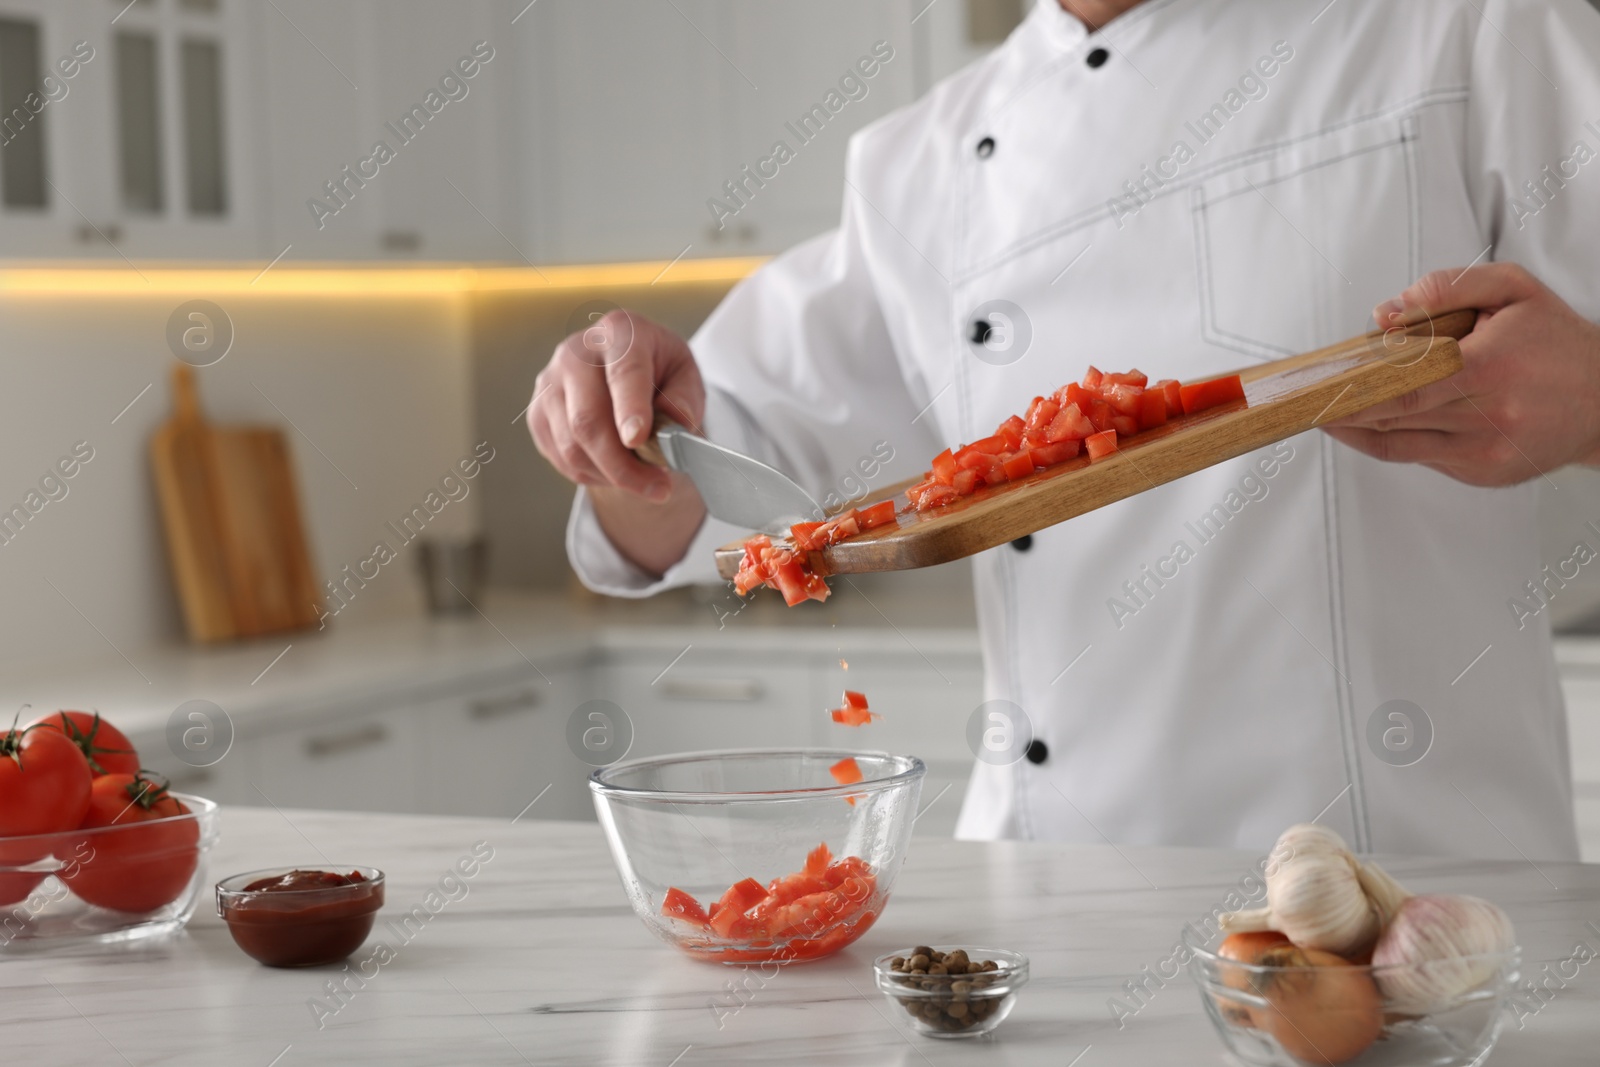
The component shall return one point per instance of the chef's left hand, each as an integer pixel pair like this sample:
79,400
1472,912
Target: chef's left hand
1526,401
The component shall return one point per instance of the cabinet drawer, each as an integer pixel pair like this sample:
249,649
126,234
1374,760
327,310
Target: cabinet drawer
715,699
492,751
1583,724
365,762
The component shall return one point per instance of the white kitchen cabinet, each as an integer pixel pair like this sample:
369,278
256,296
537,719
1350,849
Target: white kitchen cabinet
625,105
1581,686
145,152
363,760
924,708
228,781
447,195
799,55
317,110
493,749
710,698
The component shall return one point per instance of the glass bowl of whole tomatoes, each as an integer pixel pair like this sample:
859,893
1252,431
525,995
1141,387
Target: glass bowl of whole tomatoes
1337,1012
138,877
763,855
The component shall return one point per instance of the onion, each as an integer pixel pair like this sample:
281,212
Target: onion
1437,948
1320,1008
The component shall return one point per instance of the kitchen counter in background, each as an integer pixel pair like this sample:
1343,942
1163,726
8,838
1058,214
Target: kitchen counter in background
474,714
476,709
542,962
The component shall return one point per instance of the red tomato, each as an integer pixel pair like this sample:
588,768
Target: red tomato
1174,396
1069,425
1017,465
146,866
1011,432
680,905
1152,409
817,859
786,571
1050,455
848,716
1126,425
728,914
107,748
1040,415
1092,377
991,445
1124,399
879,514
944,467
1101,444
846,771
803,534
44,788
44,782
1100,415
966,484
1210,394
1133,377
1073,393
985,466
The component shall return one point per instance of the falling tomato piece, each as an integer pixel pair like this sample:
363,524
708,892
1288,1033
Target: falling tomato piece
853,712
846,772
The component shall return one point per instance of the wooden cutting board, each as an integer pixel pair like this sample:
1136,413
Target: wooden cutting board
231,513
1282,399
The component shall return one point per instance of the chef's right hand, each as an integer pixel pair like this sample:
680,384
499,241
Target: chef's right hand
596,401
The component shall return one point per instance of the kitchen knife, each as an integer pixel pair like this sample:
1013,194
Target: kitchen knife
735,487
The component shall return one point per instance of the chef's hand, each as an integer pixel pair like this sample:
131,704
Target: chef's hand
1526,401
595,402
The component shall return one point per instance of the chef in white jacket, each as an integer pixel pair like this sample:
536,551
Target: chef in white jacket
1188,186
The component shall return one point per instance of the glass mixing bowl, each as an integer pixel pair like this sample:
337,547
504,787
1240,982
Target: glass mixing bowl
758,856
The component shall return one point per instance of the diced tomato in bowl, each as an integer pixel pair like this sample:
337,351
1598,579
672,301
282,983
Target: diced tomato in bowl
748,857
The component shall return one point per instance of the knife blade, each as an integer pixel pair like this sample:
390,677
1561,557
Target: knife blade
735,487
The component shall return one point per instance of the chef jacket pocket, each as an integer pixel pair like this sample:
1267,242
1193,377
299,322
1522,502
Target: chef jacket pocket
1296,247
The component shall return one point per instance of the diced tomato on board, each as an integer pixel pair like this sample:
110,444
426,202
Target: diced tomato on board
1152,409
1210,394
1101,444
1018,465
879,514
1050,455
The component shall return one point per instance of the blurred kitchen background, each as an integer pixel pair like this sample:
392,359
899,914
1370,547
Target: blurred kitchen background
167,159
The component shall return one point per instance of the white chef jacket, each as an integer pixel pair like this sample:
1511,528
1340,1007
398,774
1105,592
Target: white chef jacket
1231,636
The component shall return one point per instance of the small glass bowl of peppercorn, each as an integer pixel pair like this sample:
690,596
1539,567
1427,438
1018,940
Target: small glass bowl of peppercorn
953,992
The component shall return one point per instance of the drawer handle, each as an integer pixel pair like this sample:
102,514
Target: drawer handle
722,689
349,741
498,707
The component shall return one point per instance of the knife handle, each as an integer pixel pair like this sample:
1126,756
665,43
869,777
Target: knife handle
650,449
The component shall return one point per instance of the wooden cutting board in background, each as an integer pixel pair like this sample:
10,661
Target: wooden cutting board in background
232,519
1282,398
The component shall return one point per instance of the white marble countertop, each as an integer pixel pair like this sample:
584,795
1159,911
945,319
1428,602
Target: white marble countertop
542,962
138,687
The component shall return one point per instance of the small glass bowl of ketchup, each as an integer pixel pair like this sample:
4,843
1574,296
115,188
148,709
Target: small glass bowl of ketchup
292,917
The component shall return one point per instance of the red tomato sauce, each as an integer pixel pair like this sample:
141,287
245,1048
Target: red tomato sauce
303,918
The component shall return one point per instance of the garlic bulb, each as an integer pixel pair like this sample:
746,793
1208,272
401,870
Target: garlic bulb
1320,896
1437,948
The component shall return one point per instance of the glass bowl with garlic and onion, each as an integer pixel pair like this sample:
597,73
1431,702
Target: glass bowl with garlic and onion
1344,966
